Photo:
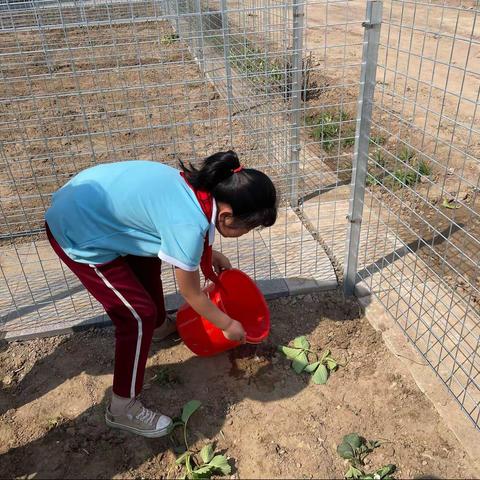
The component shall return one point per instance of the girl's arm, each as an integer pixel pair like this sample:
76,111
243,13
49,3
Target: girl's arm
220,262
189,286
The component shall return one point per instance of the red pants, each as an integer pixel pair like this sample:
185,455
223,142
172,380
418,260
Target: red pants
130,290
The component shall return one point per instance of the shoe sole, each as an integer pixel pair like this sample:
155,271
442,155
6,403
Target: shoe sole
155,434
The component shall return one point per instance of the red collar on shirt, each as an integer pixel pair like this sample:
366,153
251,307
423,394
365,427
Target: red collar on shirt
205,200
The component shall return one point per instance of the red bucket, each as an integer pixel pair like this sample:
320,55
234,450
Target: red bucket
241,300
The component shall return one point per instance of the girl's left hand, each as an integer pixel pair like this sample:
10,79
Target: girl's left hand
220,262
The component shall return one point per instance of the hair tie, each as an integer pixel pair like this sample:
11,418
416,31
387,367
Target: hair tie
238,169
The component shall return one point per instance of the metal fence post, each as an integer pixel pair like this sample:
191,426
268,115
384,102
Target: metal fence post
296,93
228,68
200,36
362,138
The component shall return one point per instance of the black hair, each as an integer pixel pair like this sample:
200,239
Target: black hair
249,192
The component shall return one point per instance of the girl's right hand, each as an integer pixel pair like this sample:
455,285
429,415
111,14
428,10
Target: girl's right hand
235,332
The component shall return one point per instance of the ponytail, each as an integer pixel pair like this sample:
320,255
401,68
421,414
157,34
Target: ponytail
215,169
249,192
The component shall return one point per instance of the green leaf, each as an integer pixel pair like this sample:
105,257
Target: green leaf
353,472
324,356
385,471
301,342
290,352
220,462
345,450
300,362
331,364
449,205
182,458
354,440
207,453
189,408
205,471
312,367
320,376
350,443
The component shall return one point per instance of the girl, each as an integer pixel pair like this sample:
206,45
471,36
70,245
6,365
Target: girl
113,224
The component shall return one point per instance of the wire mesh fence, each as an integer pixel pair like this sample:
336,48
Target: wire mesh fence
289,85
422,217
92,82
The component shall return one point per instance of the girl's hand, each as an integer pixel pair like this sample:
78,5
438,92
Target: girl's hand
235,332
220,262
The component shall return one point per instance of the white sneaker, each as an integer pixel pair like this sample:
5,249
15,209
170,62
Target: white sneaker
140,420
168,327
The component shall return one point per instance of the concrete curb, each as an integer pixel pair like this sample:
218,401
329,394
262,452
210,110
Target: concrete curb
271,289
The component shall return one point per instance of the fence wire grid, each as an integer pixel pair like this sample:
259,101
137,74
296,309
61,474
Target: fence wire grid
364,113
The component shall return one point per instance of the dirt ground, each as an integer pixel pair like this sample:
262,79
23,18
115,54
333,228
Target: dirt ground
100,94
269,421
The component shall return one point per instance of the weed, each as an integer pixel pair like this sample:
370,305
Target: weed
406,155
326,129
299,355
373,180
411,176
349,141
54,422
379,158
169,39
424,168
404,178
355,449
377,140
250,60
164,376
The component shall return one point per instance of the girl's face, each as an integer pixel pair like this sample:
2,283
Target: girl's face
225,223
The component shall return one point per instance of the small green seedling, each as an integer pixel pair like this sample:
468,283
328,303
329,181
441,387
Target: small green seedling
355,449
305,360
205,463
187,411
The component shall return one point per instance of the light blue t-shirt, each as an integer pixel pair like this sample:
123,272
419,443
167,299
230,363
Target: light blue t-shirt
129,208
